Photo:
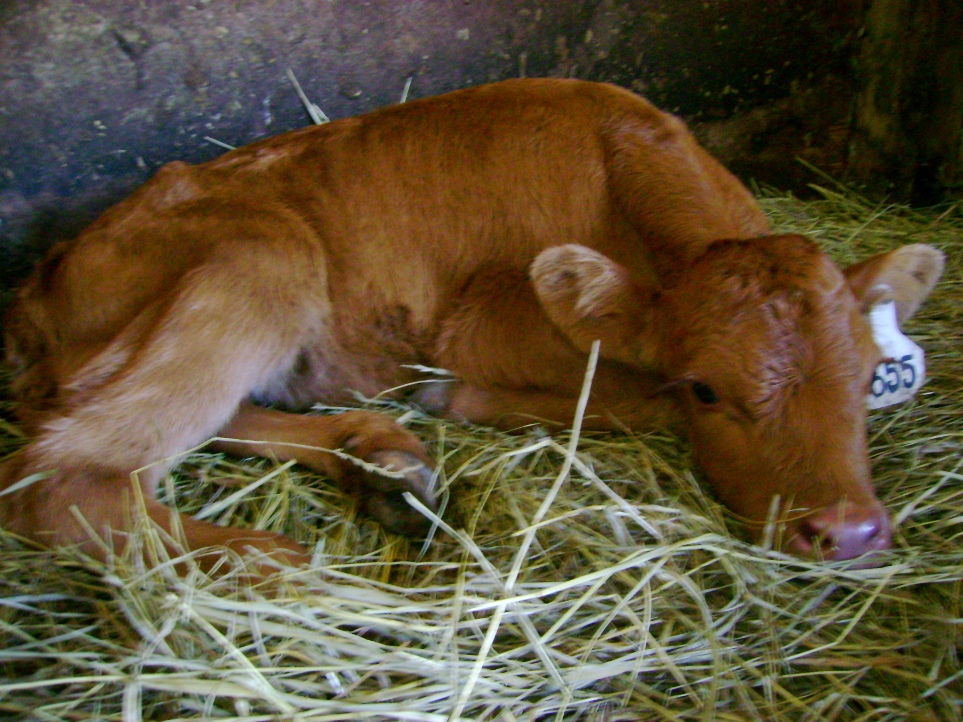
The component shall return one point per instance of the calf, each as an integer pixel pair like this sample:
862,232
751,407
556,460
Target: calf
495,232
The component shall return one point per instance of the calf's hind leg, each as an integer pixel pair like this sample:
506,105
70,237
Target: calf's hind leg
227,328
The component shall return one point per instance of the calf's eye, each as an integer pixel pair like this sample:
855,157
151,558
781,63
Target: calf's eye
704,393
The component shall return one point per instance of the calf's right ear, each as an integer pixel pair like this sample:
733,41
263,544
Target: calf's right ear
588,296
905,276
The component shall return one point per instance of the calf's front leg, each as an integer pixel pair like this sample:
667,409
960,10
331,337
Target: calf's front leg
365,435
614,405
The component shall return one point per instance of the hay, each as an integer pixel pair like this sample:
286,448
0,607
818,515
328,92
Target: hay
631,600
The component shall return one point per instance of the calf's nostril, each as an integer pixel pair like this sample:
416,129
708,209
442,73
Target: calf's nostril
845,533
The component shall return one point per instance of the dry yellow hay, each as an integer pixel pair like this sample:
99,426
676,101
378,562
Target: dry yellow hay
635,600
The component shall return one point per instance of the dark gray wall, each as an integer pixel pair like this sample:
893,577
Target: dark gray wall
95,95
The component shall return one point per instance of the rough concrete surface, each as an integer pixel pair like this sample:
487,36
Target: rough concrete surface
95,95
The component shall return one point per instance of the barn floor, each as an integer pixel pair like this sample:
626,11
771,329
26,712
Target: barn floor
636,600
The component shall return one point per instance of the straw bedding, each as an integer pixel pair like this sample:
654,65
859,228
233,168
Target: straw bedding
631,597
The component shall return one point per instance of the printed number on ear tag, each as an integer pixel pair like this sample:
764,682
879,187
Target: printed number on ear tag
902,373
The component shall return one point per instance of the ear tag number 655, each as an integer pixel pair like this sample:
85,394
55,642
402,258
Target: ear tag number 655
904,370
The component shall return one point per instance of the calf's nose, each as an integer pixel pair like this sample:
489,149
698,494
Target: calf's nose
844,531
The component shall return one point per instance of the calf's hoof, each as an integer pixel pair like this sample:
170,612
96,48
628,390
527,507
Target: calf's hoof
382,496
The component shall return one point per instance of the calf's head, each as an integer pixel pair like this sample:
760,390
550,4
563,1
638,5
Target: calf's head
765,345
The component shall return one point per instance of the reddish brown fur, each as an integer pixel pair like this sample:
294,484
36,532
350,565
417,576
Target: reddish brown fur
495,232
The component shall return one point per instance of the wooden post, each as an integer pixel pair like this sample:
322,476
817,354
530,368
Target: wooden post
908,119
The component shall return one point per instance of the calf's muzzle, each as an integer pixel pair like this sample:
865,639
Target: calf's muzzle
844,531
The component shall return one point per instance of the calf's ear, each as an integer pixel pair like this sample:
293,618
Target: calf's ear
905,275
589,296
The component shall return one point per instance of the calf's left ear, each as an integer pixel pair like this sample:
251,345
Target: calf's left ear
905,275
590,297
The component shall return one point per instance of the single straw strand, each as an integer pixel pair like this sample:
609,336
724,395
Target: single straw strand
526,544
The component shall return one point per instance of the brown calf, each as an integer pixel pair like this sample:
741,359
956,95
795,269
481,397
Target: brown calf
495,232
